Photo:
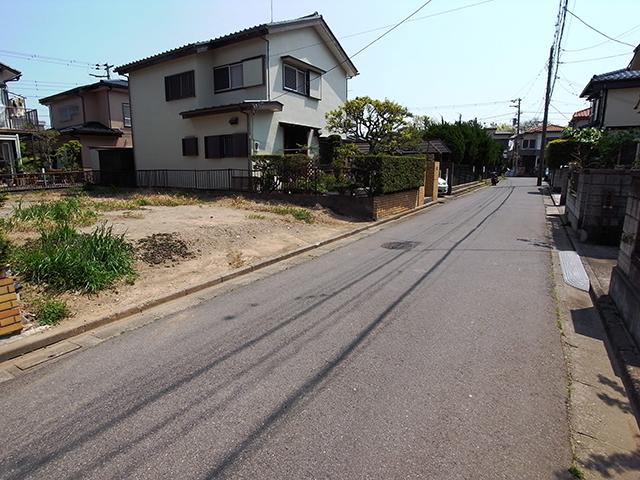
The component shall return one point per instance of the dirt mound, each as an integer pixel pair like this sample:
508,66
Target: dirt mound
163,247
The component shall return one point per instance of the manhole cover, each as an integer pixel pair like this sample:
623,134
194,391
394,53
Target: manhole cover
400,245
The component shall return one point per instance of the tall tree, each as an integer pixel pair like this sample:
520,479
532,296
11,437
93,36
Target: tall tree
378,123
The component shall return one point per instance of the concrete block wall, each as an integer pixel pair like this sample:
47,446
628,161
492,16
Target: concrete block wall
398,202
624,288
10,318
599,205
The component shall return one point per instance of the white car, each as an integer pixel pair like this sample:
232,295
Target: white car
443,187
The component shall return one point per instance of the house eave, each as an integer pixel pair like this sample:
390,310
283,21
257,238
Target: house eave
252,106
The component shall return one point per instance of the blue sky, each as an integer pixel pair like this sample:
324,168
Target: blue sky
436,66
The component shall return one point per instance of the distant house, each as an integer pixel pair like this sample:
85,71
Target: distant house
214,104
581,118
98,115
16,121
615,97
502,137
530,148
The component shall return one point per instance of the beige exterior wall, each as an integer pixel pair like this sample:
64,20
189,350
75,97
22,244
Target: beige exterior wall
116,99
159,128
622,108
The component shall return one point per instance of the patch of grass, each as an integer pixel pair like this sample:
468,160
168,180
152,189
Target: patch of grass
256,216
138,200
50,311
576,472
71,210
301,214
63,259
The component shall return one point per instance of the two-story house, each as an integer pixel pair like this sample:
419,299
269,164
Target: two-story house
214,104
97,115
530,148
615,97
16,120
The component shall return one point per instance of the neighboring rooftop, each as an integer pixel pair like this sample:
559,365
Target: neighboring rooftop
120,84
8,74
621,78
257,31
91,128
582,114
550,128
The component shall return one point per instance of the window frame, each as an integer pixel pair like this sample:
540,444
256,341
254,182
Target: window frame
124,117
183,91
228,67
298,71
225,145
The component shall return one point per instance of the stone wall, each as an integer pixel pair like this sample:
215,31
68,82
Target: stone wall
431,179
398,202
625,278
596,209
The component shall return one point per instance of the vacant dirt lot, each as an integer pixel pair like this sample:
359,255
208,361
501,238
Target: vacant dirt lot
194,239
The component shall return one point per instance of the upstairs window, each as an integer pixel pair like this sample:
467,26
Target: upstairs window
228,77
296,80
67,113
181,85
243,74
529,144
126,114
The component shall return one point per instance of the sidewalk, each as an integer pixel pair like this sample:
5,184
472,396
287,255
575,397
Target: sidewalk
605,434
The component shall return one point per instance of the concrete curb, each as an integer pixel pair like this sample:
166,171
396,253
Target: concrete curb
30,343
621,344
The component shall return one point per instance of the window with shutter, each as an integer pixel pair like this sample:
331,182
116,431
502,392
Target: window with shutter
212,146
181,85
190,146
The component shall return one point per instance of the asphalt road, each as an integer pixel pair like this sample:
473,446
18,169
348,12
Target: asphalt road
426,350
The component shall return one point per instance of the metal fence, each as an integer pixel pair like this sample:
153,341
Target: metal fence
39,181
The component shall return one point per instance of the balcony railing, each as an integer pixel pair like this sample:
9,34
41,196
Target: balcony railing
12,118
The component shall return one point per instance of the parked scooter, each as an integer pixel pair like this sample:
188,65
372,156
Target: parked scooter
494,178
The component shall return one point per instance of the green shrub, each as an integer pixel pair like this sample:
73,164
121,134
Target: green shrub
63,259
66,210
50,311
5,249
561,152
4,196
388,174
285,172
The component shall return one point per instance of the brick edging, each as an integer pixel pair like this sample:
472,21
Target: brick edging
29,344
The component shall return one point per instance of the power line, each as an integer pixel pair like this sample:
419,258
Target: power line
461,105
598,31
597,58
444,12
46,59
566,118
633,29
379,37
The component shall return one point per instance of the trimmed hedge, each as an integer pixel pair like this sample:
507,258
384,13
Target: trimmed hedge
286,172
388,174
560,152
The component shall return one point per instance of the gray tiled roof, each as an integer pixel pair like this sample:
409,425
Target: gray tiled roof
117,83
247,33
623,75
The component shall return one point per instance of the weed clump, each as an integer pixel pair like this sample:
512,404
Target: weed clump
301,214
64,259
51,310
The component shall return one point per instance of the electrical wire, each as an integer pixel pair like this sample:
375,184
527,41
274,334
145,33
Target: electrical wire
633,29
597,58
379,37
598,31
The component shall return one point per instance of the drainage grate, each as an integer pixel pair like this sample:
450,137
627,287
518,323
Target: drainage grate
400,245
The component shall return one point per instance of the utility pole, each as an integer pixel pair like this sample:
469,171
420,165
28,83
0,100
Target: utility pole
516,153
545,118
106,67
